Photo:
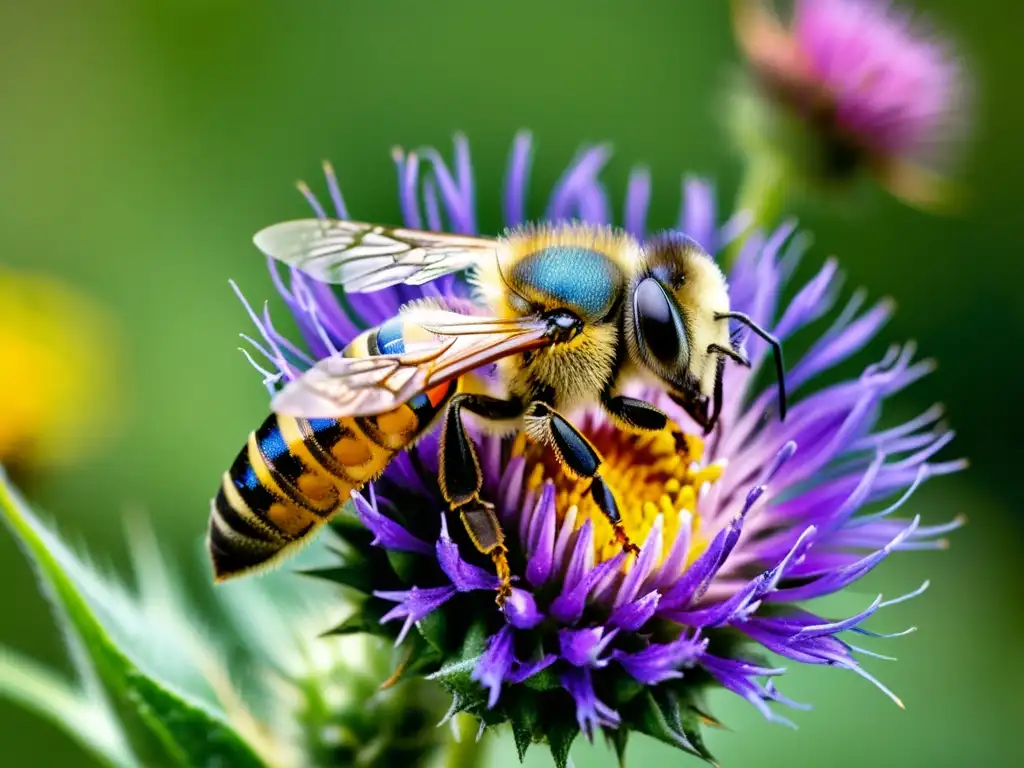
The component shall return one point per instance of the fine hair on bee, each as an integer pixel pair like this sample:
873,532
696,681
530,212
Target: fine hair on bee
567,314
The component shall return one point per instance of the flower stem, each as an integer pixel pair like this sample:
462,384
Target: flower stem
463,749
763,195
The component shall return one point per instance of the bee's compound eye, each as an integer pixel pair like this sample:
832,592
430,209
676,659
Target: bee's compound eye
656,322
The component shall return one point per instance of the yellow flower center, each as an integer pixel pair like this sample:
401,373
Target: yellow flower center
648,476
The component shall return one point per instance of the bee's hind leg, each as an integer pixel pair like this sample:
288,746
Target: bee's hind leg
485,532
460,479
580,458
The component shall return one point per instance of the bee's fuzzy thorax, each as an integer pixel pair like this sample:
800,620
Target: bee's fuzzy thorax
575,371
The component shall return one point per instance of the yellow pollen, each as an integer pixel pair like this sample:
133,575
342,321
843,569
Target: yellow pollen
648,477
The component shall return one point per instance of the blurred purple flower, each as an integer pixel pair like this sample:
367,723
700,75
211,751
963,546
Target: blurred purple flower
732,534
883,92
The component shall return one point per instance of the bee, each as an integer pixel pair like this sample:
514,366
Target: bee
564,315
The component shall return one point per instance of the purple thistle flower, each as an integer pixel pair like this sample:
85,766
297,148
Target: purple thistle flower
883,91
733,531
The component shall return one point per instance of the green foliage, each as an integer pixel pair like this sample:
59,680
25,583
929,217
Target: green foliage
161,726
618,739
561,731
63,703
524,717
666,716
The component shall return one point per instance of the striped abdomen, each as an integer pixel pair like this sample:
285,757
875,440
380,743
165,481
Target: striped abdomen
295,473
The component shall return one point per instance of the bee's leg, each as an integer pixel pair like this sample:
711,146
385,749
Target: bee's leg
639,416
580,458
485,532
460,478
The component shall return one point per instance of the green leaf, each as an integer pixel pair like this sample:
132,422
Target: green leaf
475,641
161,726
695,699
621,689
405,565
690,722
39,689
422,657
524,713
657,714
618,738
561,732
434,629
354,576
456,676
359,623
545,680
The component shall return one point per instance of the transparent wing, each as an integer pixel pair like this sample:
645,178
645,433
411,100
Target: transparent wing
368,257
440,346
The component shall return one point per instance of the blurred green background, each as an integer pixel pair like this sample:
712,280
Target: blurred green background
142,143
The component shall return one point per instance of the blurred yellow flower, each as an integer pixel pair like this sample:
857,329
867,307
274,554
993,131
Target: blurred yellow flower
58,360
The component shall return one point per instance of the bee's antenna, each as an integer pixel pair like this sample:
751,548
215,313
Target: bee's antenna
732,354
780,368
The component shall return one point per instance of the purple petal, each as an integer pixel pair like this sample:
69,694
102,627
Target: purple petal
568,606
697,218
667,573
645,561
430,202
565,533
590,712
583,647
813,301
340,210
580,177
413,605
839,343
631,616
525,670
464,576
695,580
833,582
511,489
638,198
661,662
521,610
457,191
386,532
495,664
517,179
737,677
582,559
408,166
540,548
738,607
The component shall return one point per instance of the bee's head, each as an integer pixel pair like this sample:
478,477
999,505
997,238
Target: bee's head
676,324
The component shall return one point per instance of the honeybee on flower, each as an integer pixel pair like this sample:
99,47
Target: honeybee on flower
732,528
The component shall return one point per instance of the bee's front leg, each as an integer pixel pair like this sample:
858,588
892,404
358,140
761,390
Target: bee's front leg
580,458
639,416
460,479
